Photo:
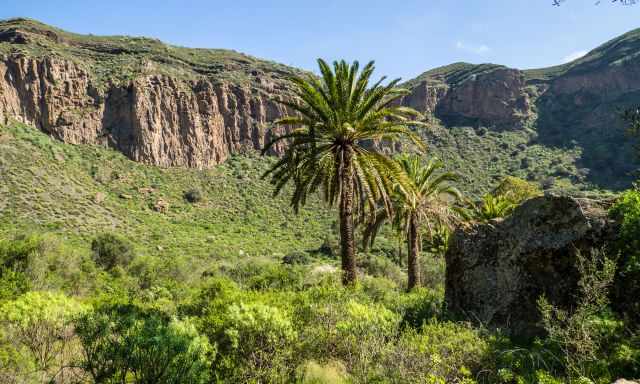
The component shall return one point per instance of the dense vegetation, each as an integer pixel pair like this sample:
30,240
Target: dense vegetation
216,288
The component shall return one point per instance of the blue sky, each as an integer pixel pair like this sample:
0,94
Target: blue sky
405,37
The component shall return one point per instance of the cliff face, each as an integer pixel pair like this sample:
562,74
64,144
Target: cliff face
154,119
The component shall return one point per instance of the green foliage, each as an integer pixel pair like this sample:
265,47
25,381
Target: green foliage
111,251
583,335
37,332
122,341
516,190
510,193
627,290
12,283
421,306
493,207
439,352
254,343
193,196
332,372
297,257
17,254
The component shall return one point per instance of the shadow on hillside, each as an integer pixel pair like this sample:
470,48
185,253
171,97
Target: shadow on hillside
609,160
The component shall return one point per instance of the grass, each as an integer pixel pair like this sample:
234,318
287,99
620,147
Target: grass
79,191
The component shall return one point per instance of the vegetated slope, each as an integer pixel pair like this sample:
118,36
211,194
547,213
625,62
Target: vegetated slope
80,191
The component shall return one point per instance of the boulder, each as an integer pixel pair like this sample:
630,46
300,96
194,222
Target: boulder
497,271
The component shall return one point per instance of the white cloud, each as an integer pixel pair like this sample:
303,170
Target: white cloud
473,48
573,56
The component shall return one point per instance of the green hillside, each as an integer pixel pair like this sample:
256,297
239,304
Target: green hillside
83,190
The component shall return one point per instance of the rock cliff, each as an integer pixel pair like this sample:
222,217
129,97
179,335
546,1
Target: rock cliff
154,117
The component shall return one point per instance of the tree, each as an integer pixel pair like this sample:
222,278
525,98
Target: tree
110,251
338,117
38,326
426,200
124,341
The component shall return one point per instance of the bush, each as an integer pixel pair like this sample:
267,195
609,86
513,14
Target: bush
193,196
627,287
12,283
438,352
582,334
17,254
380,266
297,257
516,190
421,306
332,372
110,251
264,274
254,343
121,341
37,328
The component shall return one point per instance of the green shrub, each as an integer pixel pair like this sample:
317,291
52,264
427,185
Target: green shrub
583,334
110,251
627,288
12,283
421,306
265,274
333,372
255,343
17,254
380,266
121,341
37,332
438,352
433,271
193,196
297,257
516,190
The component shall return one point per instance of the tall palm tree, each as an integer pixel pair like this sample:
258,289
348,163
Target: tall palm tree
425,201
337,117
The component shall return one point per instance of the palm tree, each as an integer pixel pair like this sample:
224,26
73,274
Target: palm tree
338,116
425,201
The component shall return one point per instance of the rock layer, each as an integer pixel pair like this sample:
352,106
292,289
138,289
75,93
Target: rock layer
496,272
154,119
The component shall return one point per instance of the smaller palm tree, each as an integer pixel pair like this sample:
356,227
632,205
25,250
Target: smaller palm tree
493,207
425,203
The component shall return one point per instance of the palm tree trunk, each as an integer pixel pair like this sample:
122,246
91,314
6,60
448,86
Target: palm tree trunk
414,250
346,219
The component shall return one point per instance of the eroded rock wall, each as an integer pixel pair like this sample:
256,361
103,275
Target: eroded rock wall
154,119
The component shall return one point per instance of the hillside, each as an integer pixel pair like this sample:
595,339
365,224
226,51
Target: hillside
80,191
571,108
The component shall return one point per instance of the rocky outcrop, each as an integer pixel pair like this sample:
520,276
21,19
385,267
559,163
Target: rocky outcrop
496,272
154,119
495,98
